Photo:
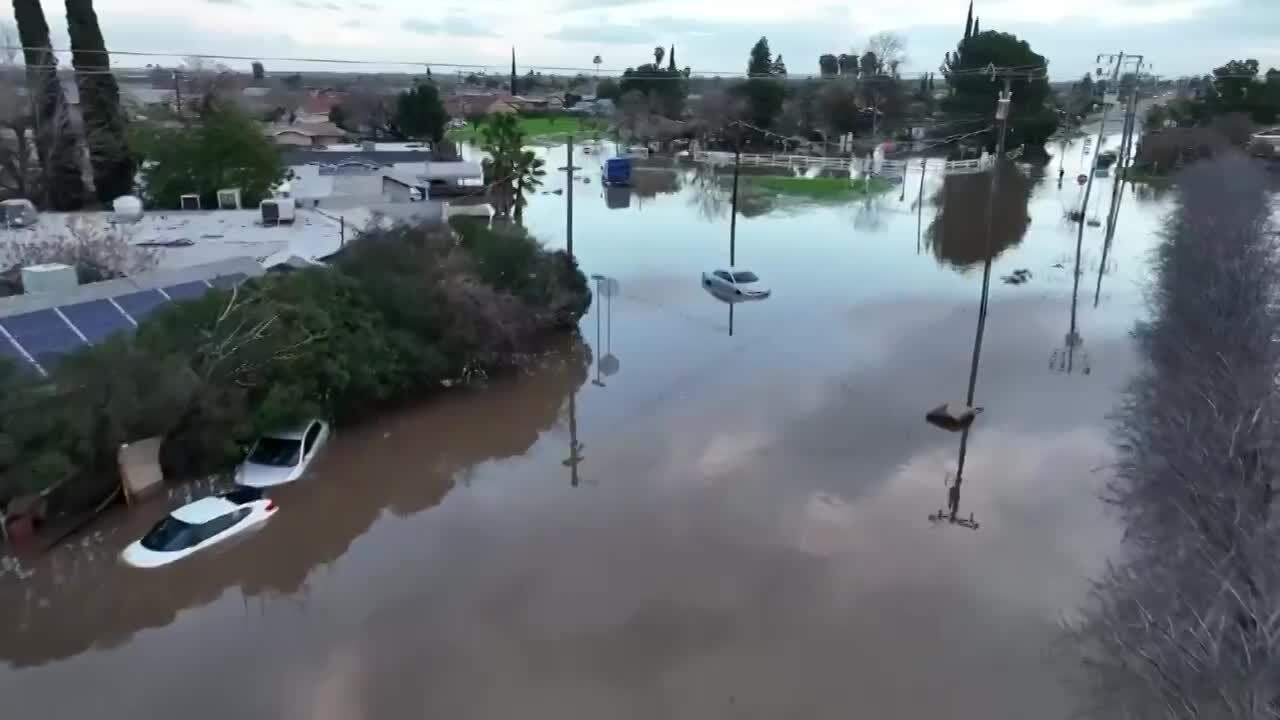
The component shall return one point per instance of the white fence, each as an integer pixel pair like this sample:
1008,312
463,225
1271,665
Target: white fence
855,165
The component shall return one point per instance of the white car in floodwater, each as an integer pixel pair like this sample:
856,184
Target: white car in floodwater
738,283
198,525
282,457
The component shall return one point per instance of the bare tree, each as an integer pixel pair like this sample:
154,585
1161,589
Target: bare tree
890,50
1188,626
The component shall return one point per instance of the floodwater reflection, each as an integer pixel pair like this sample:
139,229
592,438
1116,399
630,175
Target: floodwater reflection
956,232
405,463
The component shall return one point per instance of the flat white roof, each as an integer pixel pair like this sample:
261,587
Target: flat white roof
377,147
184,238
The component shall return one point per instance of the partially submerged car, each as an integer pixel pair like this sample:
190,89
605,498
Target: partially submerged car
282,457
739,283
198,525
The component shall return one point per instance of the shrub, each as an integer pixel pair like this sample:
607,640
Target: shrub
400,312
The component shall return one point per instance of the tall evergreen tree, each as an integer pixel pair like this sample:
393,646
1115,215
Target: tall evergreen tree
761,62
671,59
513,71
62,187
968,22
976,29
104,122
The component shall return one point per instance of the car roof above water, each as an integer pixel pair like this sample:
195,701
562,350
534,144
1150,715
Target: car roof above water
204,510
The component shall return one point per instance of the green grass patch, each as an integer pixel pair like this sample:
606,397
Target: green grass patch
819,188
538,128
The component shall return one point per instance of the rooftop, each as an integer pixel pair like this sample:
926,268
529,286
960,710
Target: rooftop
186,238
236,268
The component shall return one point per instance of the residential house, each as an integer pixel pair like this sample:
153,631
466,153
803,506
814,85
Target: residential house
315,108
464,105
307,134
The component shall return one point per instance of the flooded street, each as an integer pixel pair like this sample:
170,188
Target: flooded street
744,532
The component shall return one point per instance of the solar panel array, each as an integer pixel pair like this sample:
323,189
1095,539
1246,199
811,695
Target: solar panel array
39,337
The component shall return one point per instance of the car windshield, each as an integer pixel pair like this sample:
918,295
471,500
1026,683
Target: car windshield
280,452
243,495
170,534
745,276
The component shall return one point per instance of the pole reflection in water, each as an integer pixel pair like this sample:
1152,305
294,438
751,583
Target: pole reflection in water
1063,359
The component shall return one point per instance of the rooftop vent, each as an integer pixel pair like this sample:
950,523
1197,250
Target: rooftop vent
49,278
190,201
126,209
17,213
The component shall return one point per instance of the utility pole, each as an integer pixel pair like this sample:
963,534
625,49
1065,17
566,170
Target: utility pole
568,197
733,204
1118,59
1002,114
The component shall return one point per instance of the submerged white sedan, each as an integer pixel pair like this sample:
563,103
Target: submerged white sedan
739,283
282,457
198,525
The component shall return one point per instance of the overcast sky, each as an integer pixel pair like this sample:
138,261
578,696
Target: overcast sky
1178,36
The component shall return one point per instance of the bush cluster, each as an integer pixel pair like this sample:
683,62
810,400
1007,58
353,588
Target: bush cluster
402,312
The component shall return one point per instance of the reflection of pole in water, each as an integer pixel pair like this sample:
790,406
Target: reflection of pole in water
575,447
919,205
731,319
1063,359
733,204
596,352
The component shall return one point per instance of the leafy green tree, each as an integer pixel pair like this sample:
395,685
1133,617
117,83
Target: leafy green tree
847,63
779,67
104,121
420,113
608,89
259,72
869,64
60,183
828,65
1031,121
223,149
666,90
764,91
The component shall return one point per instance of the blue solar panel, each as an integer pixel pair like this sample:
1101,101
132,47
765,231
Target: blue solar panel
97,319
9,353
226,282
187,291
140,304
42,333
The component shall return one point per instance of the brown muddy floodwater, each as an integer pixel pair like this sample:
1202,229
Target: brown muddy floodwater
744,535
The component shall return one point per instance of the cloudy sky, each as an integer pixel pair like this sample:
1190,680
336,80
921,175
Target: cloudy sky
1178,36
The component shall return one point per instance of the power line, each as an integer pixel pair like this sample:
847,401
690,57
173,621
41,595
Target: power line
1036,71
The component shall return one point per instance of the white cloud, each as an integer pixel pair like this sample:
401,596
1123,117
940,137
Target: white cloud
712,35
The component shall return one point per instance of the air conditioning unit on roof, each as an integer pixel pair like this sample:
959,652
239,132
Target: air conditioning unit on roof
277,210
229,199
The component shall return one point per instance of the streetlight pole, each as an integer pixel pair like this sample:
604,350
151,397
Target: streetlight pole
568,196
733,203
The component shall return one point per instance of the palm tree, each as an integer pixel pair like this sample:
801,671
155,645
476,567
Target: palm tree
510,171
596,61
658,54
528,172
